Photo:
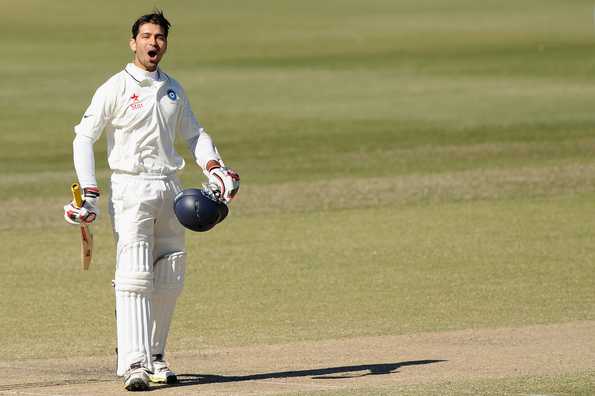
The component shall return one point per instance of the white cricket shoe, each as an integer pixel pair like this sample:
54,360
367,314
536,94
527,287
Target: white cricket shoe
136,378
161,373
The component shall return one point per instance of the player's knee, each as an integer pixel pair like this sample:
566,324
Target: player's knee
135,256
169,274
134,273
134,282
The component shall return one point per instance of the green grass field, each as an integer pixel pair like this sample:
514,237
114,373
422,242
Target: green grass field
407,166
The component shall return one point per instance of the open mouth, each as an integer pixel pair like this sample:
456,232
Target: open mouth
152,53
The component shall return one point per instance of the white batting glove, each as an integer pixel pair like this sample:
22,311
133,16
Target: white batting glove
224,182
88,212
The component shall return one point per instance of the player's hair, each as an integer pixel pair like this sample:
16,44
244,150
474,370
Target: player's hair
155,17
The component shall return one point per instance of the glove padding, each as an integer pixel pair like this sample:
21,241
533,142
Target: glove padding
224,183
88,212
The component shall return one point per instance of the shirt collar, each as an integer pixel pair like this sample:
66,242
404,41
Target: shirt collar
143,77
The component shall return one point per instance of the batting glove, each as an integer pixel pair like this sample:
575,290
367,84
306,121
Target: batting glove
88,212
224,182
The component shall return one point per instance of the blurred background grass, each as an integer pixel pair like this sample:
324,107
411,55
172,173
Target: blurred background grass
406,166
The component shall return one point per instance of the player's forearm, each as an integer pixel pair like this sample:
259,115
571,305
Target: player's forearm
84,161
204,151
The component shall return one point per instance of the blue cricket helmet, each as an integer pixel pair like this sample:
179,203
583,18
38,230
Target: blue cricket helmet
198,210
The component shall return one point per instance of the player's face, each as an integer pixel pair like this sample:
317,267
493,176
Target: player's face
148,46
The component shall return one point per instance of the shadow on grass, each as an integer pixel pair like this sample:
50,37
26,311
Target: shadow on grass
341,372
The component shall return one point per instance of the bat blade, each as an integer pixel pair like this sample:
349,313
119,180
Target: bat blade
86,246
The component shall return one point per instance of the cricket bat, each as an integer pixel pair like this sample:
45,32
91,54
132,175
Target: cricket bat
86,235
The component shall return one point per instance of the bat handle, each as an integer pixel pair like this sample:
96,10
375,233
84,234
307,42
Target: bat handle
76,194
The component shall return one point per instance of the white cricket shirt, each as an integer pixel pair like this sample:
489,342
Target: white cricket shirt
141,113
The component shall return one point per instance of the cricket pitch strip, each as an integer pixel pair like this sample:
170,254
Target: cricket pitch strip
343,364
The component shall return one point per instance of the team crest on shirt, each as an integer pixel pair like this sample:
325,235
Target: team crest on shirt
172,94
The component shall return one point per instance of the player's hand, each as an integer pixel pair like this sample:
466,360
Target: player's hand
224,182
88,212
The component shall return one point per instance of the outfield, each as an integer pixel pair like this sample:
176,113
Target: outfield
416,175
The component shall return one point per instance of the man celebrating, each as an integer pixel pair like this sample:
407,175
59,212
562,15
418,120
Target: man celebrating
141,109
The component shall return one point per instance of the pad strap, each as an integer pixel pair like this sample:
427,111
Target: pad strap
134,282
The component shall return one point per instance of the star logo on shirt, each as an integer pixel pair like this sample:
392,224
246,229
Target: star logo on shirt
136,103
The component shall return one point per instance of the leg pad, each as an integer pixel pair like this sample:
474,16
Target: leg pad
134,286
169,282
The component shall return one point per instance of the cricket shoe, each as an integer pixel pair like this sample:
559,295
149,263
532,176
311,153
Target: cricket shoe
161,373
136,378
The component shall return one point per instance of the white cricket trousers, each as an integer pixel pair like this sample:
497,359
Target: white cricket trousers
150,264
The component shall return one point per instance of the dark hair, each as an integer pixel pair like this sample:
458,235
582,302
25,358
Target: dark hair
155,17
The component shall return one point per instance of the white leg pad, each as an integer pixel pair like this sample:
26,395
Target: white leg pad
169,280
134,289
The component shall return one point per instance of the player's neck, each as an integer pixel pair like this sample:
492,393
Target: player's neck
141,73
143,67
